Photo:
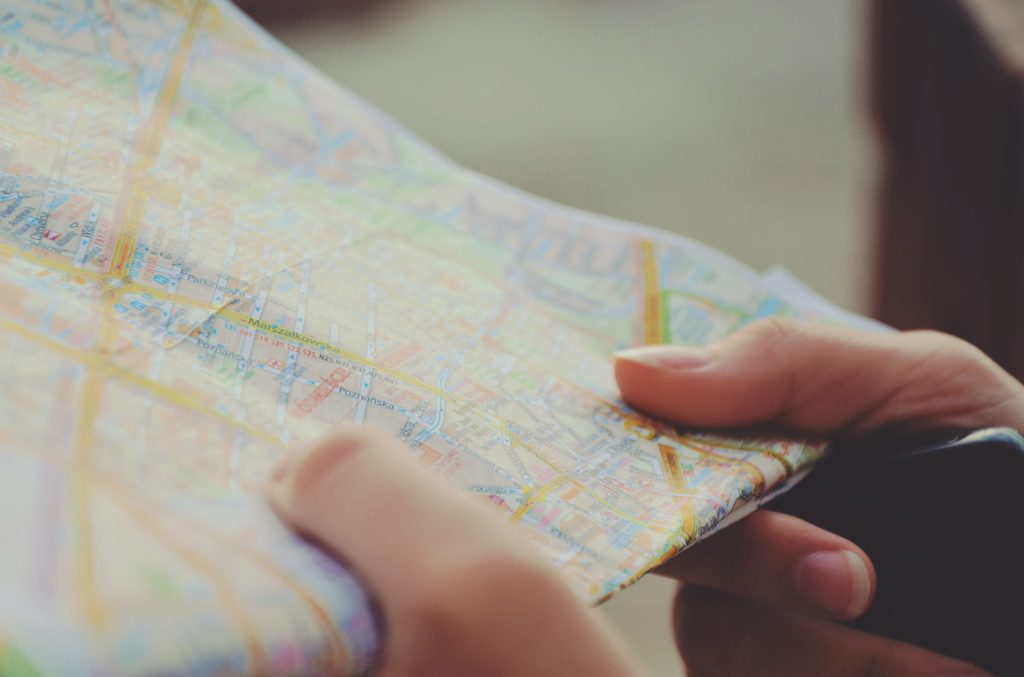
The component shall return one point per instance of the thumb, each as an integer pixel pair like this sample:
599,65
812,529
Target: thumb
817,379
453,581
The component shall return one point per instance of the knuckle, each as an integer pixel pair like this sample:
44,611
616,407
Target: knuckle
963,364
778,341
960,358
774,329
951,348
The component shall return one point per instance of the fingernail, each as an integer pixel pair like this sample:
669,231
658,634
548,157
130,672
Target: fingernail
834,581
665,357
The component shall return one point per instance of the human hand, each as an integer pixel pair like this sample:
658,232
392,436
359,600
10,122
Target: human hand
459,592
761,595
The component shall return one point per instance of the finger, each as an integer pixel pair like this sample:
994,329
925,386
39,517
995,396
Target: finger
722,635
453,581
783,561
819,379
358,477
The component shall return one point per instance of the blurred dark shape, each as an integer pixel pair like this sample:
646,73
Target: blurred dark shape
948,102
942,539
276,12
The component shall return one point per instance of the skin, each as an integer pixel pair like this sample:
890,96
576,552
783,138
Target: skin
462,593
742,610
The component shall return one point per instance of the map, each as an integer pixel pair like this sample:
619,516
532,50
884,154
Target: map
210,253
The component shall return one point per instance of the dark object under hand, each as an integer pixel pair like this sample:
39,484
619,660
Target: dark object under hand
944,525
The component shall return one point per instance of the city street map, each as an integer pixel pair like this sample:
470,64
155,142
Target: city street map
209,254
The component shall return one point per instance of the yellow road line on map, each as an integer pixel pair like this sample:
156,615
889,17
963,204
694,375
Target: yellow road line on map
81,499
31,135
688,440
172,396
53,263
538,496
563,478
688,524
534,306
162,391
296,337
614,508
182,300
710,304
220,581
771,453
670,463
533,499
708,450
243,320
151,138
89,397
340,654
226,312
652,295
91,393
161,295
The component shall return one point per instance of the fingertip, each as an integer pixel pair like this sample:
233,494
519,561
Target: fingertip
298,476
784,561
664,357
324,459
637,370
655,378
839,582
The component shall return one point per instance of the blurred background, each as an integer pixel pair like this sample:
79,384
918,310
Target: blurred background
873,147
735,122
738,123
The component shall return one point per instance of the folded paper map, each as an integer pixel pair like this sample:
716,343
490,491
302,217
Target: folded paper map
210,253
